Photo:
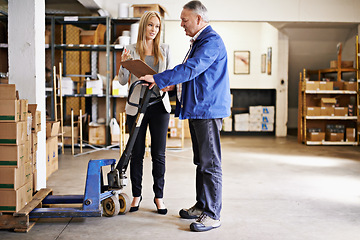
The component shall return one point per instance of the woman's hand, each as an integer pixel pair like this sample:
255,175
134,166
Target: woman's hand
125,55
168,88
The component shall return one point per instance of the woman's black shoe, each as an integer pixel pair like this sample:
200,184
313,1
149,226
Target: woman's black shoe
134,209
162,211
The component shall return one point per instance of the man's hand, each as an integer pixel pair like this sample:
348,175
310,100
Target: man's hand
150,79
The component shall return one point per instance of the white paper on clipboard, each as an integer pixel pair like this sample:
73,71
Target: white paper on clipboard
138,67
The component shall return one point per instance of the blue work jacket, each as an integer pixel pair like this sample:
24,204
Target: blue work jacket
204,77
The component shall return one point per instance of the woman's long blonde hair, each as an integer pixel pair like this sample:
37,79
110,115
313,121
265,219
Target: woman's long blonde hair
140,44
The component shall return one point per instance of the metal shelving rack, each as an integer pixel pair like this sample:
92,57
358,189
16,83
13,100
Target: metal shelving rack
67,47
304,121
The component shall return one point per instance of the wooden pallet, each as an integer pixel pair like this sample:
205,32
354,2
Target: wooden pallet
20,221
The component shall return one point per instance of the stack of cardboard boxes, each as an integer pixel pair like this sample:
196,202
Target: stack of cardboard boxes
332,107
16,162
35,116
261,118
52,133
175,127
329,106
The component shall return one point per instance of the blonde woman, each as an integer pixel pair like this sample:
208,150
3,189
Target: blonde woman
149,49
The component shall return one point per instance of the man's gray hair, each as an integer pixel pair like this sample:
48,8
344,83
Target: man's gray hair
198,8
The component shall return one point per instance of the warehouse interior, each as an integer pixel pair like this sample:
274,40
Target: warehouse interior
279,180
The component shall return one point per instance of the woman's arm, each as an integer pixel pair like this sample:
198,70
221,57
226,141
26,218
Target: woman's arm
123,74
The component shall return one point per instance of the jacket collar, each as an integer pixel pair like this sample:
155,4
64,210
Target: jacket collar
205,30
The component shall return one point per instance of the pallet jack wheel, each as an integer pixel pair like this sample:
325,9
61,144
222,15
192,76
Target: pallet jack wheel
124,201
111,206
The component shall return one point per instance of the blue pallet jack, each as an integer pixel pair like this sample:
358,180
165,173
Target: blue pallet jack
100,199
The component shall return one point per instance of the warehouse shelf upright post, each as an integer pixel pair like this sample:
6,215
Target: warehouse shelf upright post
328,106
358,87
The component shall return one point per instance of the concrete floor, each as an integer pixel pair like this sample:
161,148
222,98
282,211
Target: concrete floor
273,188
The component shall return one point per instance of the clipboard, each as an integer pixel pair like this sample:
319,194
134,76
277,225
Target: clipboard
138,67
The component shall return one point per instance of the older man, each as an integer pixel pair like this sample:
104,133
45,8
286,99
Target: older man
203,97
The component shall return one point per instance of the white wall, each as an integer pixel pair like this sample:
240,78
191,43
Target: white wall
255,37
259,10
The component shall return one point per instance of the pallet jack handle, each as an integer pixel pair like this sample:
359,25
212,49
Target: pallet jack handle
116,177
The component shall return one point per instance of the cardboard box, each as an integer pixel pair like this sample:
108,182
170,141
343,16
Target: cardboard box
28,127
13,133
241,126
140,9
313,111
97,134
51,156
267,127
344,64
67,135
227,124
93,37
34,180
255,118
176,125
14,178
312,85
338,85
255,110
7,92
94,87
315,136
14,200
174,133
34,142
67,131
4,80
13,155
350,86
350,134
255,126
9,110
326,86
36,125
243,117
267,118
23,109
327,111
118,89
328,102
268,110
52,128
340,111
47,36
32,158
36,117
334,137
